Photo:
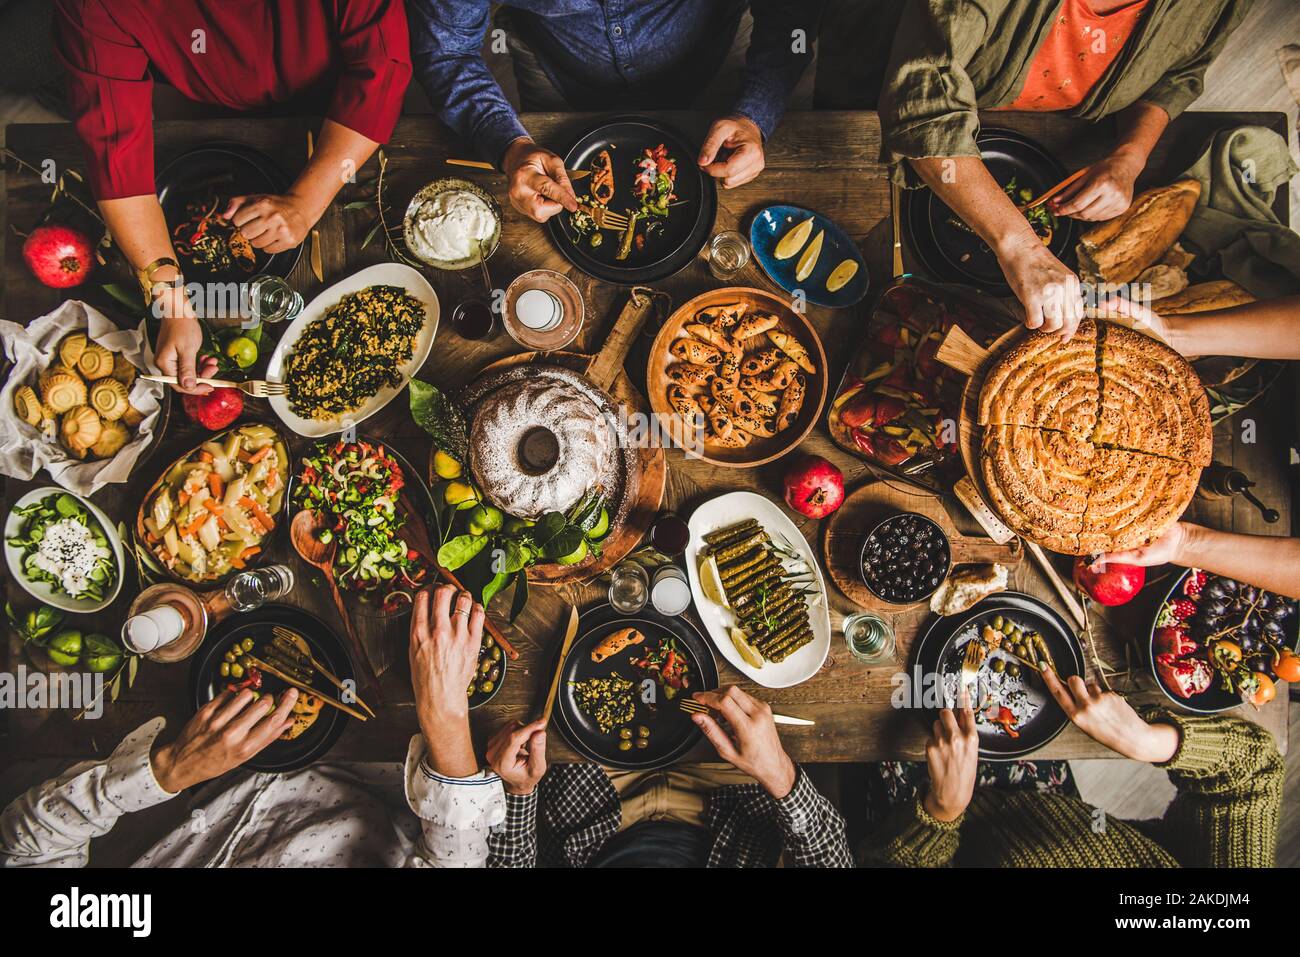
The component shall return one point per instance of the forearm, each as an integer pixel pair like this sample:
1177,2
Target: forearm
340,153
969,189
1268,562
139,229
1140,128
1258,330
775,62
456,812
448,744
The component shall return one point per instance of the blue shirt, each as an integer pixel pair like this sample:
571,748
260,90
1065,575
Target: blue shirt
608,54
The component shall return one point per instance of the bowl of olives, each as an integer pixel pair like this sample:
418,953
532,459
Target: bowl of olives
905,558
488,674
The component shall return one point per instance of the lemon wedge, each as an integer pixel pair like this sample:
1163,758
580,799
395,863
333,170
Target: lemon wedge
748,653
793,241
840,276
808,261
711,582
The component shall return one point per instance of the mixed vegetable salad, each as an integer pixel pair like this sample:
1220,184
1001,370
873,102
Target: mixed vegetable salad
64,546
356,487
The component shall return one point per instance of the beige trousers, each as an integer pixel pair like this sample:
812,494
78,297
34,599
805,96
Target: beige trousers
676,794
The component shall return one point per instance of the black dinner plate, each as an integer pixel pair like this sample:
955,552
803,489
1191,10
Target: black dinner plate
672,733
950,253
326,647
680,236
937,650
230,170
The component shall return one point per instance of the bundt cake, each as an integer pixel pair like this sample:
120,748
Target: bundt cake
538,445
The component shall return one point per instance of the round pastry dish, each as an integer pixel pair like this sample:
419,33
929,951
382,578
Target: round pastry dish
905,558
542,436
1095,445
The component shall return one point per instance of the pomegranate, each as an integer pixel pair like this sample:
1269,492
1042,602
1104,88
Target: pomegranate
813,486
216,410
1185,677
59,256
1173,642
1110,583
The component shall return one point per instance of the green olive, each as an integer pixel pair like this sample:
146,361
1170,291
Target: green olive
496,654
996,665
486,686
470,692
1013,670
642,731
229,656
643,742
489,642
225,669
625,745
485,666
247,644
998,622
236,670
625,734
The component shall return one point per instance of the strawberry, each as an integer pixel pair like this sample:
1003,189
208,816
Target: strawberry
1194,583
1182,608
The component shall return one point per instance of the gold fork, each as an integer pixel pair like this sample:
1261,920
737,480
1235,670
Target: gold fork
970,666
257,388
604,218
691,706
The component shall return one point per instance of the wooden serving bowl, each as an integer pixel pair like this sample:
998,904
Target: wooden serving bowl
759,451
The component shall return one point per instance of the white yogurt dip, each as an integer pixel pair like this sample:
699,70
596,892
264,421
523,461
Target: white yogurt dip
449,226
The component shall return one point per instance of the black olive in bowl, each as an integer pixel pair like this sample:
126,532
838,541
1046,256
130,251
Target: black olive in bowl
489,674
905,559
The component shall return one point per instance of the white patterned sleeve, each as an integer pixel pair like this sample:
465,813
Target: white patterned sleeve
52,824
455,813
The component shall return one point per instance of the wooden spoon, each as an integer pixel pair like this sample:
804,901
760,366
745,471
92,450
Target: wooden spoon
304,532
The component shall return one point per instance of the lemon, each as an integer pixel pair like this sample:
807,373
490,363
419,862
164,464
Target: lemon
64,648
793,241
748,653
711,582
513,526
444,466
841,274
458,493
242,350
484,518
808,261
575,556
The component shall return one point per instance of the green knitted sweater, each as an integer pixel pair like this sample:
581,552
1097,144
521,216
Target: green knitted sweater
1229,777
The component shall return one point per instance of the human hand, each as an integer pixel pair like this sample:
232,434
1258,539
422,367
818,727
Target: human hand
539,185
1169,547
744,139
752,746
1103,192
446,631
1046,287
952,754
223,734
179,340
517,753
270,223
1143,318
1110,720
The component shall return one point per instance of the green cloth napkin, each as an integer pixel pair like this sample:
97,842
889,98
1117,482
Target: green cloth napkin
1240,173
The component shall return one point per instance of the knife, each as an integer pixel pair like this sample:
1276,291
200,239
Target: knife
570,632
479,164
786,719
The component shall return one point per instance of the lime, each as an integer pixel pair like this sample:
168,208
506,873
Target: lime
445,466
601,528
514,526
575,556
793,241
711,582
484,518
65,647
458,492
808,261
242,350
100,653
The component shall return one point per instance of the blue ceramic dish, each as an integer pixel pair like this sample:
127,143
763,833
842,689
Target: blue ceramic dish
774,222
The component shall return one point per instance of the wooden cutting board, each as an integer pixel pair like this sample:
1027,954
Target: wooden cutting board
865,507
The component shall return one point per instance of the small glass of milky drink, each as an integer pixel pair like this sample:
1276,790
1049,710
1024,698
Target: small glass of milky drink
543,310
670,593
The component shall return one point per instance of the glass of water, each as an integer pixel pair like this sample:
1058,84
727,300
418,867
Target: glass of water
629,587
728,254
271,300
869,637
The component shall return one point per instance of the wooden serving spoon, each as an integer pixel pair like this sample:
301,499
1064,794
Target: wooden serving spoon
304,532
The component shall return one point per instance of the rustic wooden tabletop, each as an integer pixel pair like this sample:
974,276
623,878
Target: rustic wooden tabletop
827,161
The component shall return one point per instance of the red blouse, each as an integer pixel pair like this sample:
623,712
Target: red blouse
351,56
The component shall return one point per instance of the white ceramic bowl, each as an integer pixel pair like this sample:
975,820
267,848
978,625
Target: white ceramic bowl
43,591
384,274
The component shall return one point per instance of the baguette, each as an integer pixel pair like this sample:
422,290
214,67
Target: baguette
1219,294
1119,251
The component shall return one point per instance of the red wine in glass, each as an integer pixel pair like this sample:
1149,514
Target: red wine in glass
473,319
669,534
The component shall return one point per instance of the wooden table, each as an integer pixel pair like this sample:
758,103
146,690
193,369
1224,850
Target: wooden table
827,161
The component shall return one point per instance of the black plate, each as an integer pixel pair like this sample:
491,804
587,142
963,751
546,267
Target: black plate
672,733
937,645
683,233
326,646
951,254
1213,699
233,170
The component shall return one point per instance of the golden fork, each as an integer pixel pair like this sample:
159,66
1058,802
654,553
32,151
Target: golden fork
604,218
293,638
257,388
970,666
691,706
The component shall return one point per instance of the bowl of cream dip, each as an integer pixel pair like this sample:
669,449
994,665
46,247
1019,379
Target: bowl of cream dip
448,221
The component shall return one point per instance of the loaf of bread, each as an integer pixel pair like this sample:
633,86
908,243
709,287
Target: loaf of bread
1219,294
1119,251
